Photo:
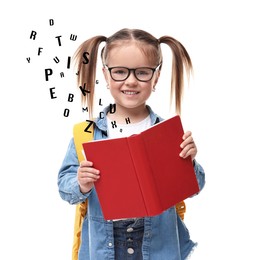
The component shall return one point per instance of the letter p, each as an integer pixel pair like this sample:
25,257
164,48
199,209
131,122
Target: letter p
48,72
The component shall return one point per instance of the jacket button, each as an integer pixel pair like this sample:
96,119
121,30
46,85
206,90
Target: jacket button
110,244
130,229
130,250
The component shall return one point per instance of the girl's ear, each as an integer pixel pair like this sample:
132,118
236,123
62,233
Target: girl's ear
156,78
106,75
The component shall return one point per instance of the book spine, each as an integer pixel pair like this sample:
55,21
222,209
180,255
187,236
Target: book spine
144,175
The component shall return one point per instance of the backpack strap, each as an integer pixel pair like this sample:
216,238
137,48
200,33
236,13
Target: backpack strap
181,209
80,137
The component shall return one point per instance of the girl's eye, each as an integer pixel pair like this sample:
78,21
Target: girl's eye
119,71
143,72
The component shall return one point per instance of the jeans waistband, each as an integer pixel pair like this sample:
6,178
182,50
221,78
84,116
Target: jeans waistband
129,223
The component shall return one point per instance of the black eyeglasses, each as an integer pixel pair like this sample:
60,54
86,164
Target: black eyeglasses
122,73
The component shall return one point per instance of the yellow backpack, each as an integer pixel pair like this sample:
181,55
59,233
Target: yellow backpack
80,136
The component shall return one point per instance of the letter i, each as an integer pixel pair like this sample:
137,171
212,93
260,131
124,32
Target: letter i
69,62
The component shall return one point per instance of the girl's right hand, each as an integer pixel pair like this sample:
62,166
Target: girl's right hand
87,175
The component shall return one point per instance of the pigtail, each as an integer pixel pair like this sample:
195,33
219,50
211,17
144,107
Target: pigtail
86,61
180,61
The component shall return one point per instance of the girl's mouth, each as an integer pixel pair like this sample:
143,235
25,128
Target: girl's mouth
130,92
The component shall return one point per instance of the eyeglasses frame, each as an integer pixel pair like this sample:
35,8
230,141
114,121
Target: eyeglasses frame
134,71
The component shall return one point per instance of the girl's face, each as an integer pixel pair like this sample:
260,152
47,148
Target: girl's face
129,93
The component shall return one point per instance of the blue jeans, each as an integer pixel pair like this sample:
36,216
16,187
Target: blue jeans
128,236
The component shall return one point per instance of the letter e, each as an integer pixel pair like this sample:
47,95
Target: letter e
52,93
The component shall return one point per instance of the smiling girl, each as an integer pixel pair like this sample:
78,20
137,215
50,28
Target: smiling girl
132,63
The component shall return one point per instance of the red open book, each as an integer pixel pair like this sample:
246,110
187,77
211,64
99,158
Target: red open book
143,174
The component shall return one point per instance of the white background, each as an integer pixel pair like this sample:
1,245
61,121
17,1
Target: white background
222,107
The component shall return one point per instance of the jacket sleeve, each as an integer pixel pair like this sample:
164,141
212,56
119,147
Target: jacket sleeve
67,177
200,175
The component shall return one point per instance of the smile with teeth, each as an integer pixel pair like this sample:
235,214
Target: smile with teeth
130,92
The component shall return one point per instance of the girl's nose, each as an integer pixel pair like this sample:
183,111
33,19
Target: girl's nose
131,79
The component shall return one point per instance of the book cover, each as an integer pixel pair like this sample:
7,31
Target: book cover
143,174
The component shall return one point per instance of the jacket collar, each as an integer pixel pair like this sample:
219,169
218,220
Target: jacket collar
101,120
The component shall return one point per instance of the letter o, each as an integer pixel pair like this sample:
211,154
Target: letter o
66,112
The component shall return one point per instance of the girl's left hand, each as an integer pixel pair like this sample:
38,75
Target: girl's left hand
188,146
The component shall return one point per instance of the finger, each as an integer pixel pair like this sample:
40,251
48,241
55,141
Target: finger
186,135
86,164
89,169
192,152
87,173
190,149
87,181
188,140
88,177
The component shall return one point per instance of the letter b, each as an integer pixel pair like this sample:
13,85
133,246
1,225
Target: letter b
70,97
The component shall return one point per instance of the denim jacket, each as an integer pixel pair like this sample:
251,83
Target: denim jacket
165,235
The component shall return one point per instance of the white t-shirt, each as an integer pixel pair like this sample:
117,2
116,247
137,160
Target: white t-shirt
116,130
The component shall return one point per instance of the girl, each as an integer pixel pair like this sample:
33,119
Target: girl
132,62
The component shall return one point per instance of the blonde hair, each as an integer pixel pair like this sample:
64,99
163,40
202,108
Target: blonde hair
149,45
